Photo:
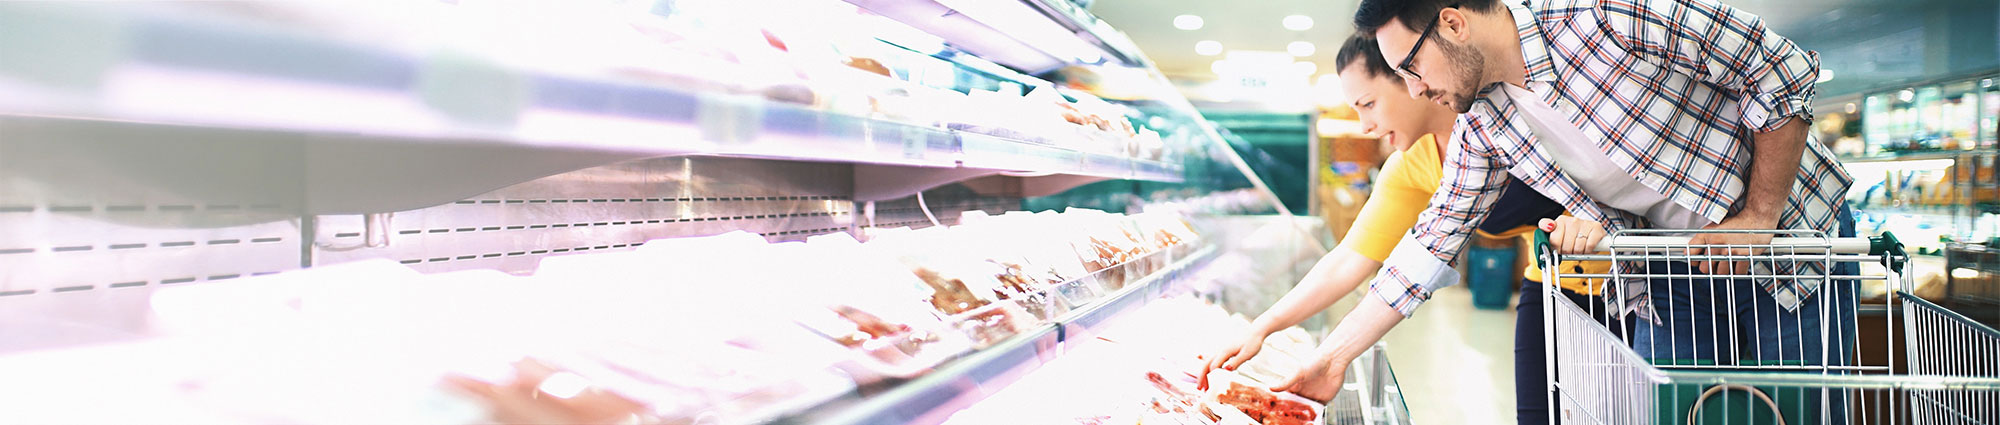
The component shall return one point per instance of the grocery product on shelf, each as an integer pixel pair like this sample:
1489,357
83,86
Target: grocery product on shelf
1262,405
659,333
1134,374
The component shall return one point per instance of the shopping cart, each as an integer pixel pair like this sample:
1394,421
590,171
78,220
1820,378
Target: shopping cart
1945,343
1720,349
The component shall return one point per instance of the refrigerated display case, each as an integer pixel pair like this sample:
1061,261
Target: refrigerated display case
1989,114
1923,177
653,211
1958,117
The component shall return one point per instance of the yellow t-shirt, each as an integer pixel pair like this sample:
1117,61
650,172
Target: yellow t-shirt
1403,190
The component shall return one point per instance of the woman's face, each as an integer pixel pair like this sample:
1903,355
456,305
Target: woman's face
1386,108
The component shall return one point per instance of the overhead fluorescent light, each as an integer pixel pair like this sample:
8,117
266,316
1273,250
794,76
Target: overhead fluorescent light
1298,22
1208,47
1305,68
1188,22
1300,48
1825,75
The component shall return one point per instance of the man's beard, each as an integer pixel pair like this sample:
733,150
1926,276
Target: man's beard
1466,64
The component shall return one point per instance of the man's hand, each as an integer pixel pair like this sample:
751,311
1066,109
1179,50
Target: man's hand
1319,380
1736,222
1774,168
1232,356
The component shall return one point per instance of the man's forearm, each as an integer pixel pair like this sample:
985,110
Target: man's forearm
1360,329
1774,168
1333,277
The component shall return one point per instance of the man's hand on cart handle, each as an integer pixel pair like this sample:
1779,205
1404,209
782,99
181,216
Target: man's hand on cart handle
1573,236
1742,221
1232,356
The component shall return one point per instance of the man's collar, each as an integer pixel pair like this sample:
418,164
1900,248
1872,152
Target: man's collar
1534,46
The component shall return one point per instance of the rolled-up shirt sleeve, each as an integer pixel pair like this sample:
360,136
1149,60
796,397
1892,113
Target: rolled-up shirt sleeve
1724,46
1421,262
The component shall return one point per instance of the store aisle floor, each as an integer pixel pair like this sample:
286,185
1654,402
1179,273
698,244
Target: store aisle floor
1455,363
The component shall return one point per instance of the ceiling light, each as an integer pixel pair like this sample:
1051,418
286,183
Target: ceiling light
1188,22
1298,22
1825,75
1850,107
1305,68
1300,48
1906,95
1220,67
1208,47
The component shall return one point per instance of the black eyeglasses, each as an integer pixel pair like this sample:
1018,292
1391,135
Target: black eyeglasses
1403,68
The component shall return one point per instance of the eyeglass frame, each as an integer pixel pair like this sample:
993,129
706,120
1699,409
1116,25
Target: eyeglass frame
1403,68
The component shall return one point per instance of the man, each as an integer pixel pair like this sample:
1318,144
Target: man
1671,114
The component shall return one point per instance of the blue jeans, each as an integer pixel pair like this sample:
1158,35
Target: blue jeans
1736,322
1697,325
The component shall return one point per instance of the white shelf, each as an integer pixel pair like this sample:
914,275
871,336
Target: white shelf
385,119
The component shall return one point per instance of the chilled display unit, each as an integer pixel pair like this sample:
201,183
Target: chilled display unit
623,212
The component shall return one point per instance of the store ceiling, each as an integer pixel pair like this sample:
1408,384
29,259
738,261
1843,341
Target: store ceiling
1256,24
1237,24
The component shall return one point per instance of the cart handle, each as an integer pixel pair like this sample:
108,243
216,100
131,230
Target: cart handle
1638,241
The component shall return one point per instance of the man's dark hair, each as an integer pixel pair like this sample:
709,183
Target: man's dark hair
1363,50
1371,15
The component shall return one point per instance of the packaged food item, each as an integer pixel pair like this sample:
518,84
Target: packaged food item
1261,405
1174,404
539,393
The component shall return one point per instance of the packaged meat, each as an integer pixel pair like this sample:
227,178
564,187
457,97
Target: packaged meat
1261,405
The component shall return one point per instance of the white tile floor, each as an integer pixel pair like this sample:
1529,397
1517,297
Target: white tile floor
1455,362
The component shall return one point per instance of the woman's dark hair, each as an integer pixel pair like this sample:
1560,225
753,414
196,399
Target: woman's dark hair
1364,51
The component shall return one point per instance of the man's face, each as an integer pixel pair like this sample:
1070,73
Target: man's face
1448,69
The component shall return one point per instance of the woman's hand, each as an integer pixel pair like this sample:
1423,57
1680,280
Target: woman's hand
1232,356
1572,236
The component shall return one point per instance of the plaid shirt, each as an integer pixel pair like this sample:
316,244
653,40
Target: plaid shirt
1671,90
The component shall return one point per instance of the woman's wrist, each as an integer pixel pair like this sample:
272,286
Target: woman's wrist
1266,326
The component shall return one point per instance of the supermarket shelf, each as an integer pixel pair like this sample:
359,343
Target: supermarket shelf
1919,210
1080,20
384,120
1083,323
1033,36
1913,156
933,397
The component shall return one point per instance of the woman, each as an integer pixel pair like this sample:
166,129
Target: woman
1403,189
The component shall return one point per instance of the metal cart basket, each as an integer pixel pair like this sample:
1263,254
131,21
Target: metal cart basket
1789,341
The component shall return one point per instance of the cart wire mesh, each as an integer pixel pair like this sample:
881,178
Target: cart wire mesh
1731,347
1945,343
